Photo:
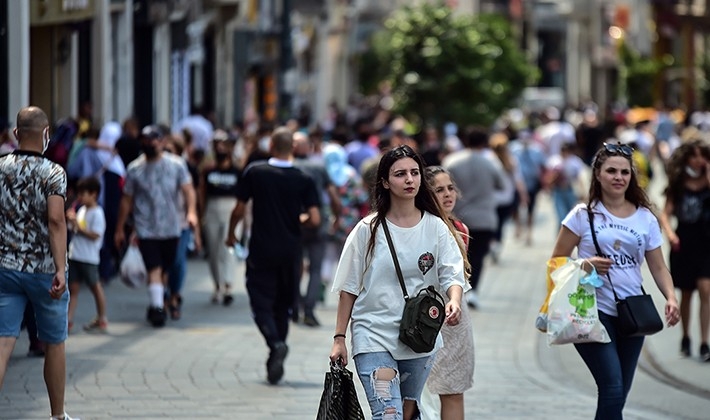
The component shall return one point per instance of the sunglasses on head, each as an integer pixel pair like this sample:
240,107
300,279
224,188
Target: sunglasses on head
619,148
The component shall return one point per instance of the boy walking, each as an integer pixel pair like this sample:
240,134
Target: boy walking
88,225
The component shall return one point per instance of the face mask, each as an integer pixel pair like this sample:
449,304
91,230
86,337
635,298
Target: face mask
45,141
221,156
150,151
692,172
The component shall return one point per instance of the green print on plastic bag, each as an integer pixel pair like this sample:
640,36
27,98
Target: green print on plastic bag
582,301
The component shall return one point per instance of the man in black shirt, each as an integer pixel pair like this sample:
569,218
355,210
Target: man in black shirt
280,194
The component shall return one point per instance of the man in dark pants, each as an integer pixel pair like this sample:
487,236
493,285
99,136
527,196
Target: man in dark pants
314,239
478,176
280,194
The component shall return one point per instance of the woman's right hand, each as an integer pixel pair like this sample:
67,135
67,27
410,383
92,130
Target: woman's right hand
339,351
601,264
231,240
674,240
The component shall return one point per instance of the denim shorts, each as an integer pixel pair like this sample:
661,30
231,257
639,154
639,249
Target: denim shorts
408,383
16,289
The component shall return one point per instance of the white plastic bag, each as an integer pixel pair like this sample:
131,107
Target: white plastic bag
572,313
132,269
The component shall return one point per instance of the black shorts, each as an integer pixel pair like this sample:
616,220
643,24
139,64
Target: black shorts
158,253
81,272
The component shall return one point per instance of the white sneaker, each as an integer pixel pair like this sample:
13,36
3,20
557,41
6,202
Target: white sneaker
63,417
472,299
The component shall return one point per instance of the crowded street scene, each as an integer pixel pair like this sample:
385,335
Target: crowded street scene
354,209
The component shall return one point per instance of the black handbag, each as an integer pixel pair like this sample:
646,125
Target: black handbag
423,314
637,315
339,399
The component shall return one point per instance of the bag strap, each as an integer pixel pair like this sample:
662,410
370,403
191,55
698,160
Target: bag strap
394,258
599,253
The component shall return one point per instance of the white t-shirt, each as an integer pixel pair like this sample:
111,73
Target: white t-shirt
569,168
81,248
554,134
624,240
428,255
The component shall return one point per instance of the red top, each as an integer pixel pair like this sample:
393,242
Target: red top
461,227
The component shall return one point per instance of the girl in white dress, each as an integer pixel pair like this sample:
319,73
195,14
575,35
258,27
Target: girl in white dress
452,372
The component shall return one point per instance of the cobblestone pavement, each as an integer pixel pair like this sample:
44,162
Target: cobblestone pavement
210,364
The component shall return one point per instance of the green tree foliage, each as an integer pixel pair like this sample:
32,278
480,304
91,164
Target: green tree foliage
445,67
637,75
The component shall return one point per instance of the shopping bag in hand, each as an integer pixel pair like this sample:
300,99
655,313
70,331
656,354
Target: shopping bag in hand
572,314
552,265
339,399
132,269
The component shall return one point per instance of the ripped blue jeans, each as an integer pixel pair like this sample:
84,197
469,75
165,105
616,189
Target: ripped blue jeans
386,391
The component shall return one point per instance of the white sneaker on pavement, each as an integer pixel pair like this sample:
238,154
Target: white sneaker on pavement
65,416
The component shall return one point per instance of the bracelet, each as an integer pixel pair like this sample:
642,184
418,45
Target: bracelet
338,335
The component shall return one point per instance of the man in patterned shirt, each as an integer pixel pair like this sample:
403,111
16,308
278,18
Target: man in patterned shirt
33,240
154,182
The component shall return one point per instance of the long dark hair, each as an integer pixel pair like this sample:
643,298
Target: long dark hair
675,168
634,193
424,200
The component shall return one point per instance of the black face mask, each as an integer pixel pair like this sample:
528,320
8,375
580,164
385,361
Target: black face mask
221,156
149,150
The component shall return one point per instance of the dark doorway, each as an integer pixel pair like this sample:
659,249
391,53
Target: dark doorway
143,73
208,73
4,88
84,32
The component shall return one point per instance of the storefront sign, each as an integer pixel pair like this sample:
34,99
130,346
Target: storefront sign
70,5
54,12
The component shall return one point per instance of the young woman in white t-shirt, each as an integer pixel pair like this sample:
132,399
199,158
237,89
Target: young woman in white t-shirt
627,232
371,299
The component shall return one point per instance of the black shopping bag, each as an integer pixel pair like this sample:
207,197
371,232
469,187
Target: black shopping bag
339,400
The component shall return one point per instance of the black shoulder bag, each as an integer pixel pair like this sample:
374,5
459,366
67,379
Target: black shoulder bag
423,314
637,315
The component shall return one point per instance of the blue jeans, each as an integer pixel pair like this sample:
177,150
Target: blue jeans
613,366
176,276
111,192
565,199
408,383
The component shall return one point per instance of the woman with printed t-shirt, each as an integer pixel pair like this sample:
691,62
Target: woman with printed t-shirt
627,232
371,299
218,191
